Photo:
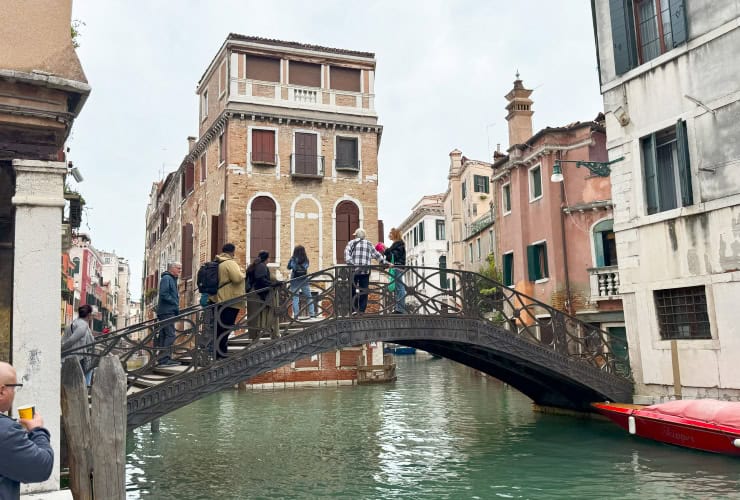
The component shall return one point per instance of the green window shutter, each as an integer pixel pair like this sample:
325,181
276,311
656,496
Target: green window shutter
464,189
421,231
443,284
649,161
684,167
679,30
532,264
622,20
485,184
509,269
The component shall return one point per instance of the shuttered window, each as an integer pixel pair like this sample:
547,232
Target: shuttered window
605,245
263,147
535,183
263,220
305,74
347,157
440,230
348,220
188,179
443,283
537,261
480,184
203,168
666,169
644,29
506,197
345,79
265,69
187,251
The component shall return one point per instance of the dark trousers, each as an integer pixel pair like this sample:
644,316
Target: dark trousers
165,338
359,292
227,319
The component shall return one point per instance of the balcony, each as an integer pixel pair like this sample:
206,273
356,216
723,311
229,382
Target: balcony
604,283
351,165
480,224
292,96
262,158
306,166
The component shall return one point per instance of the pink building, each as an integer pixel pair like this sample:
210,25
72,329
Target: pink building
554,239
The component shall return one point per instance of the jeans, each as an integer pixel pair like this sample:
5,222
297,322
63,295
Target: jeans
165,338
298,288
361,282
400,291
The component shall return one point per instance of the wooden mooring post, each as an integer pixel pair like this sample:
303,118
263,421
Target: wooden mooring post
95,429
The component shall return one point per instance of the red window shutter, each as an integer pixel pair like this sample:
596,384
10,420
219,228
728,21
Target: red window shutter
187,251
263,146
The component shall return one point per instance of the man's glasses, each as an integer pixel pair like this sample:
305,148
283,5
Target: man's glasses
17,387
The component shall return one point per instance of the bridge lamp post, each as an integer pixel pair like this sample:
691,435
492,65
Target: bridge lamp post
598,168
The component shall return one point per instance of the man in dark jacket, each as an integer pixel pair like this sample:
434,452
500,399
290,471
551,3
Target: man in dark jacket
25,453
168,306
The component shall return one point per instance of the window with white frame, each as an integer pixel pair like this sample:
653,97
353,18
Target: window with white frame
204,104
480,184
535,183
506,198
537,261
470,252
440,229
221,149
477,244
508,268
347,154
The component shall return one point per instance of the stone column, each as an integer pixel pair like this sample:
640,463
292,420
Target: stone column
39,202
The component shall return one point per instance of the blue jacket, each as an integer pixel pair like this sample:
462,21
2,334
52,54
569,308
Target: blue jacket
169,300
25,457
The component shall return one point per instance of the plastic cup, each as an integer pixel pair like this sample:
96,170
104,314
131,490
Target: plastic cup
26,412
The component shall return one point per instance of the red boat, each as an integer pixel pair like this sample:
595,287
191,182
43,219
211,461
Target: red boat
701,424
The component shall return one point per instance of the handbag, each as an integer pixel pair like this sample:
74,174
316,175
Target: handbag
392,273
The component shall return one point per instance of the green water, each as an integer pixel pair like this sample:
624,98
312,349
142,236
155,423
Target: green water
440,431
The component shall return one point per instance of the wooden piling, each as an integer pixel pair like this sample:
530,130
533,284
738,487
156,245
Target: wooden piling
96,430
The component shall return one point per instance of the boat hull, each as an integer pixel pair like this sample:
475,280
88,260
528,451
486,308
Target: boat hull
675,430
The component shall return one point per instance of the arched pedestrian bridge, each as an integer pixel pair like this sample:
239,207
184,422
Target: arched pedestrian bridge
551,357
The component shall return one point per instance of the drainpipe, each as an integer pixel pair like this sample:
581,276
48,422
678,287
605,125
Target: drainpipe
569,306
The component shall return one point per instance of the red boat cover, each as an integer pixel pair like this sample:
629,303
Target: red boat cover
725,413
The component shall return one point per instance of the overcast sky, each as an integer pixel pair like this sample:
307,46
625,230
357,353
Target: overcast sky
443,68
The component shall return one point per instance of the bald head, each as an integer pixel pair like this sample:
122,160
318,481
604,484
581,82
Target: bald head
7,394
7,373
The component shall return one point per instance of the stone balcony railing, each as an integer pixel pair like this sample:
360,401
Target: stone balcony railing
293,96
604,283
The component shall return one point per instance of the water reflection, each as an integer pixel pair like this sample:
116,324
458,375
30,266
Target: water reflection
441,431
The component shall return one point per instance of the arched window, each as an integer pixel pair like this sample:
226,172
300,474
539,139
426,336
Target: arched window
348,220
76,262
262,227
605,245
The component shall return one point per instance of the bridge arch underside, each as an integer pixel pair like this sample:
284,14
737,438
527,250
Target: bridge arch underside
547,377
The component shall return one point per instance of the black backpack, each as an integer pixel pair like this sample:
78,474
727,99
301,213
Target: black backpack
208,278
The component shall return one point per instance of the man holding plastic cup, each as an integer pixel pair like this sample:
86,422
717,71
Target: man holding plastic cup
25,454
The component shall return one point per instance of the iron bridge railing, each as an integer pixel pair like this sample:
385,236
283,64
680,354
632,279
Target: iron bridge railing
267,314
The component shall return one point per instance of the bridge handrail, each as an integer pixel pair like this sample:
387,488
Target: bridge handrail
430,291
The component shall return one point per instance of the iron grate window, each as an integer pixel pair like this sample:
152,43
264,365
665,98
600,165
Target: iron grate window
682,313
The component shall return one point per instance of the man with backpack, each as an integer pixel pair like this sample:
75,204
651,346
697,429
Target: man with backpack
230,286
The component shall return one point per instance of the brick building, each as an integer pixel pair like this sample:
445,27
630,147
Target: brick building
286,155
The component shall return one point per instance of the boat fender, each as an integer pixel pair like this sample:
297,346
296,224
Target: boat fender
736,443
631,425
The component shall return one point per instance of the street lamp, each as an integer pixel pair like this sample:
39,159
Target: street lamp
599,168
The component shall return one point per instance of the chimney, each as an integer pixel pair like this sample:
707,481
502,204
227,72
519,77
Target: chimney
520,113
191,142
455,163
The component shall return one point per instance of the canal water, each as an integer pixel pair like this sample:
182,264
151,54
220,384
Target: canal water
440,431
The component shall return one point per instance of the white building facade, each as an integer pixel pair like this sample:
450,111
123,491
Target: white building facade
669,77
426,246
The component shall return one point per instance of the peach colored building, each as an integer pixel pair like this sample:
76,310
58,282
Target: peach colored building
554,239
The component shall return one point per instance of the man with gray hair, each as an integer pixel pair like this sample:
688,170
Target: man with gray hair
168,307
358,253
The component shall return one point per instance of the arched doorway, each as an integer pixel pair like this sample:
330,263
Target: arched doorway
348,220
262,236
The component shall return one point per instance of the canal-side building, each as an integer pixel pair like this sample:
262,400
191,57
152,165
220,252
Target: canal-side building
42,90
669,78
423,233
468,216
287,154
554,239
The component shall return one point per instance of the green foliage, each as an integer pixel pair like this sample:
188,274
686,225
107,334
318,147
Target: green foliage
490,271
75,32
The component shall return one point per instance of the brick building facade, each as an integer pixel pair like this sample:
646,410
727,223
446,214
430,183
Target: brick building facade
286,155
